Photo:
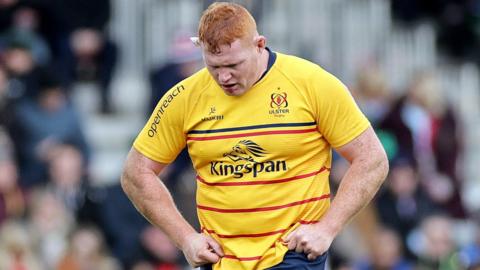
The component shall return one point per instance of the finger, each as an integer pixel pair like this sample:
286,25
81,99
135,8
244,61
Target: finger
292,244
311,256
289,236
206,256
215,246
299,248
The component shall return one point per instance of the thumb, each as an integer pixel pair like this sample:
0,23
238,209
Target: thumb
215,246
290,236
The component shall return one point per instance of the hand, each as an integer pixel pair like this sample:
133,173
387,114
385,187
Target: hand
200,249
311,239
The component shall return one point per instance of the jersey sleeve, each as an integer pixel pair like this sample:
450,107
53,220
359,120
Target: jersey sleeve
162,138
338,117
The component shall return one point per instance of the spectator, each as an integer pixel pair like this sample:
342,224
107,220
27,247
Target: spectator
16,251
159,250
25,23
375,100
67,176
23,74
403,204
469,254
78,33
12,199
50,224
372,94
425,127
386,254
43,122
68,181
87,251
435,245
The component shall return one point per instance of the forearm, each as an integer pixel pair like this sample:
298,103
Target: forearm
153,200
357,188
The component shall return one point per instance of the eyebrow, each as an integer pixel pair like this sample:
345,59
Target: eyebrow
228,65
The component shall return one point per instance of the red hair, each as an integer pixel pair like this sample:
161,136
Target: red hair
222,23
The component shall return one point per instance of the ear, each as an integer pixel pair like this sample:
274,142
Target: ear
195,41
260,42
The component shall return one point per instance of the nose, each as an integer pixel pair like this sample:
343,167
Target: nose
224,76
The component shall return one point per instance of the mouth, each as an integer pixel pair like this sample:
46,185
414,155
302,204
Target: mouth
229,87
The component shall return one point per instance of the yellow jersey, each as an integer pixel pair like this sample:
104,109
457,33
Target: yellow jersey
262,159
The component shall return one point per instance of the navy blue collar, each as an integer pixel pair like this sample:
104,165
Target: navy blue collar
271,60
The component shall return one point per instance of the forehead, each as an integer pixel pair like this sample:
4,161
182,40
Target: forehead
228,54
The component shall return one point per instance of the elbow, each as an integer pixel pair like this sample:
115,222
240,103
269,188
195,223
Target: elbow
125,182
128,180
131,188
383,166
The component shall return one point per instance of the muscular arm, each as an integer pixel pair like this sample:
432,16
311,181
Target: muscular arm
367,171
152,199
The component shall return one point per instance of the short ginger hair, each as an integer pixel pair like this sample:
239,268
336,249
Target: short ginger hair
222,23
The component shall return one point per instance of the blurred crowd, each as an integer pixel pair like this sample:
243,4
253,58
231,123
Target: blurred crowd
53,217
418,219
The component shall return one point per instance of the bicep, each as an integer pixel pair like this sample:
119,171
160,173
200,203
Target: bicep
138,164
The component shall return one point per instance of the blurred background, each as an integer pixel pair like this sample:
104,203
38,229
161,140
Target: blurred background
78,79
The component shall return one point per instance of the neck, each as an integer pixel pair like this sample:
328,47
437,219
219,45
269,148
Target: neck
262,63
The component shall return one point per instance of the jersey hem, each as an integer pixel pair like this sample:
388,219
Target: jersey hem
357,132
144,151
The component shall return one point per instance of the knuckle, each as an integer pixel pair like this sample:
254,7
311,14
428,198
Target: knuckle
201,257
193,262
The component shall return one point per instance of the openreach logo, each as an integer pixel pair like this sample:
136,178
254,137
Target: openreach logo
162,106
244,156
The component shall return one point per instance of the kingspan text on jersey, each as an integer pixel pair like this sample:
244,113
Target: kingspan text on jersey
255,168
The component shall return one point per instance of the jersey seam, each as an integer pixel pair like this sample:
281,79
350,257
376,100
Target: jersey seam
191,109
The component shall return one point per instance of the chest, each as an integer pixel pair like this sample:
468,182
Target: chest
269,126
